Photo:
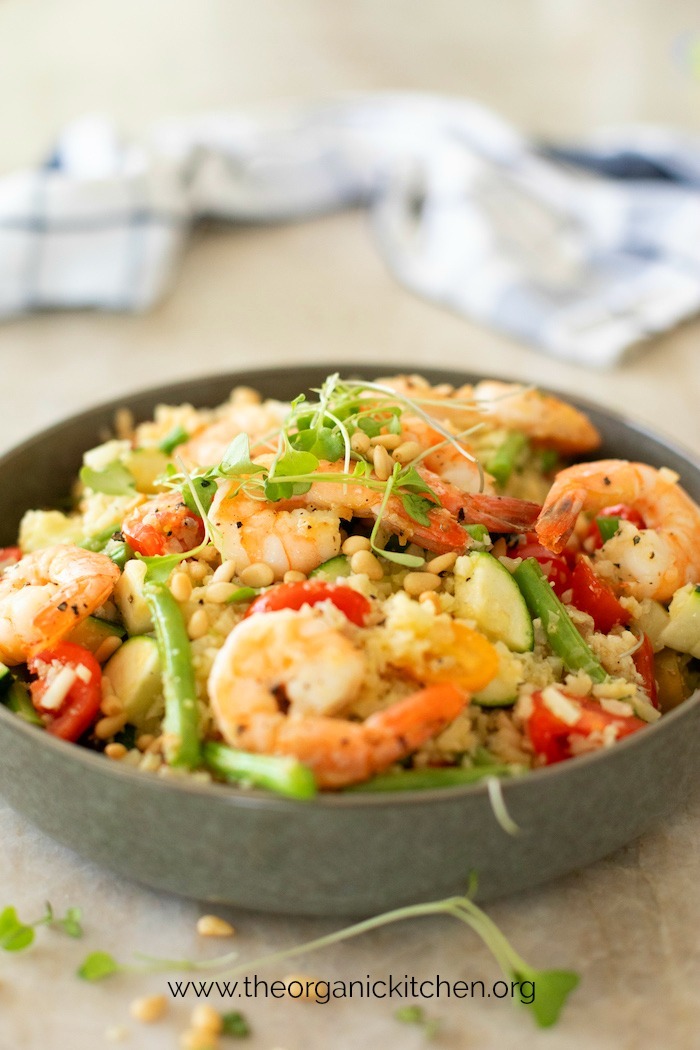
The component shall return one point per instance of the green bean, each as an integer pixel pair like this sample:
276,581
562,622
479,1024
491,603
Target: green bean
505,459
423,779
285,776
119,551
181,721
562,636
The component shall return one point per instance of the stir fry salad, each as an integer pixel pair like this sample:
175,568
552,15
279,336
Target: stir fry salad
378,586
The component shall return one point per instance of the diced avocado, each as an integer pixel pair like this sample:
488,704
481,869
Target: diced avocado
503,689
333,568
145,464
487,593
128,594
92,632
683,629
652,621
135,676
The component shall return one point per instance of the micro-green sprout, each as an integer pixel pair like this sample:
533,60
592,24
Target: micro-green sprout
16,935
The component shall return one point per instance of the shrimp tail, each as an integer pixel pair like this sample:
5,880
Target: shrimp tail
500,513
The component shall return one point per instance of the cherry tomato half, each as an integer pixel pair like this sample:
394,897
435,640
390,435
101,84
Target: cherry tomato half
550,735
163,526
619,510
309,592
592,595
554,566
81,704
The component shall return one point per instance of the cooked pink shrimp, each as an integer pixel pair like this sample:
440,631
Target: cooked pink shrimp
243,416
254,530
320,671
302,532
646,563
46,594
445,459
543,418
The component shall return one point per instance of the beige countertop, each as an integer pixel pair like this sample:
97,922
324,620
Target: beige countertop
312,292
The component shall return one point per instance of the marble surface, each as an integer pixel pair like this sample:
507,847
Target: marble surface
307,293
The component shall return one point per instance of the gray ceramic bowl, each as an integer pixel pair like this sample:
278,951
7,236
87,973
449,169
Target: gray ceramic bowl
338,854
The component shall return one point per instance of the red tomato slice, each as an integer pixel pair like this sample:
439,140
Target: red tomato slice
554,566
550,735
592,595
81,705
163,526
644,662
619,510
309,592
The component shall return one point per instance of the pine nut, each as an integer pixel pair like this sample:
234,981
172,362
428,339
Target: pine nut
365,562
155,747
206,1018
383,463
197,570
144,741
198,624
443,390
416,582
257,575
148,1009
181,586
388,441
353,544
245,395
107,727
111,705
214,926
292,576
225,572
220,592
305,987
407,451
359,442
108,647
442,563
198,1039
115,751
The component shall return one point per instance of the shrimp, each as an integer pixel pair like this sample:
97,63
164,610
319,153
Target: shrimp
163,525
648,563
543,418
255,530
243,416
46,594
444,458
321,672
304,531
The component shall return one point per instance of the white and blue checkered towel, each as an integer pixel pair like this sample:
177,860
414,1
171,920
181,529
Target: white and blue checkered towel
582,253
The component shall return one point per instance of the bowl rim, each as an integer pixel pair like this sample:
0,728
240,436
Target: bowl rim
259,799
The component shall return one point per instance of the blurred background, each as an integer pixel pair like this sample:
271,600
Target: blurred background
554,68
